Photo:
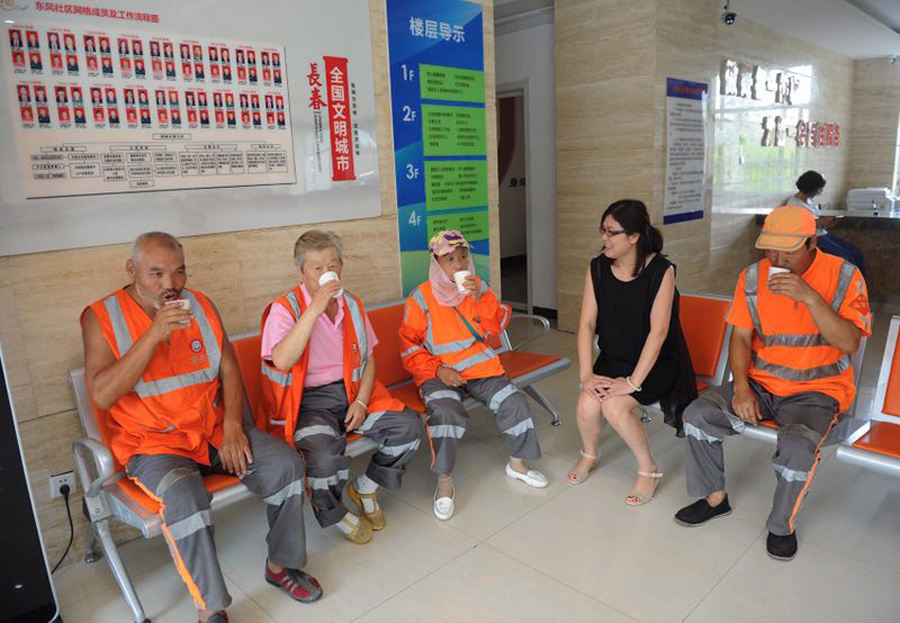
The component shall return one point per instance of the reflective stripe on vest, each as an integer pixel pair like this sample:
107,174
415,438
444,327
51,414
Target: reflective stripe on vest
277,376
362,338
295,304
146,389
284,379
751,290
486,355
810,374
410,351
456,346
785,339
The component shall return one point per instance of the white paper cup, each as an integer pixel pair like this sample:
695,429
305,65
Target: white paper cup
184,304
777,270
460,276
331,276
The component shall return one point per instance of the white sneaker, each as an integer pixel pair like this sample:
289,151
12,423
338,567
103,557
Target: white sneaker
533,478
444,507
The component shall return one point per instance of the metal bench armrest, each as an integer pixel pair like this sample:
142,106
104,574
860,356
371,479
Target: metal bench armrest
92,456
531,317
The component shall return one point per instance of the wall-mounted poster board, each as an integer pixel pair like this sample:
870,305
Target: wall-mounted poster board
686,106
263,114
436,52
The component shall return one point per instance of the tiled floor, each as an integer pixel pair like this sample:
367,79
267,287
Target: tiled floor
559,554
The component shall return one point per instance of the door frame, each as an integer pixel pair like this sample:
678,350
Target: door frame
510,89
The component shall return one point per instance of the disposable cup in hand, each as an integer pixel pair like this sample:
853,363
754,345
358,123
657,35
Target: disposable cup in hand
184,304
331,276
777,270
459,277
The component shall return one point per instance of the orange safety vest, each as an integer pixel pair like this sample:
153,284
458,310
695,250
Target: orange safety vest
447,337
790,355
283,391
175,407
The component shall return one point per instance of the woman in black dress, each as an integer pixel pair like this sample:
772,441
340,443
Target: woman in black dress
631,305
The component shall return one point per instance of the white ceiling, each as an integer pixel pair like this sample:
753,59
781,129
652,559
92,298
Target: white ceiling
886,11
835,25
853,28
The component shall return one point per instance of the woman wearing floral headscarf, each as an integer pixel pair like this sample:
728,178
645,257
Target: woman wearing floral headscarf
443,345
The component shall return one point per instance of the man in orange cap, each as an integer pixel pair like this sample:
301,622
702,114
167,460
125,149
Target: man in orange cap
798,316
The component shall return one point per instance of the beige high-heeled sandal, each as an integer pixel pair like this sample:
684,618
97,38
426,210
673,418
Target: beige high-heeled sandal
575,477
643,498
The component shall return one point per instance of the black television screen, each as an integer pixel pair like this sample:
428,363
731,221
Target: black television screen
26,591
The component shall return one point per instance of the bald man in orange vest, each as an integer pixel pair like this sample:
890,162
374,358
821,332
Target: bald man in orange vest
157,359
798,316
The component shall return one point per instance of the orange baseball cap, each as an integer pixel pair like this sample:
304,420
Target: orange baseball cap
786,228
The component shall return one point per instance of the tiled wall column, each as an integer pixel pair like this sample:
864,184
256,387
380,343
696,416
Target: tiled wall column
42,294
874,136
605,126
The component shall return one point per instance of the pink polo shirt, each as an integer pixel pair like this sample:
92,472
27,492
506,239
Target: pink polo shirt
326,343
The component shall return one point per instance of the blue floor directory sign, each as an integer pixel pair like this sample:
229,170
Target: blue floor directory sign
436,50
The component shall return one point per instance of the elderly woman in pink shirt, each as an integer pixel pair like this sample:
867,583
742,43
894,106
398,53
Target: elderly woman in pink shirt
319,368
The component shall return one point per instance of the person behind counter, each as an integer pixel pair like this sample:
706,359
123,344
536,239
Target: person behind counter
810,185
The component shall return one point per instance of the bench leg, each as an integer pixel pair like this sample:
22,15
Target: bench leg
92,548
102,532
539,398
645,415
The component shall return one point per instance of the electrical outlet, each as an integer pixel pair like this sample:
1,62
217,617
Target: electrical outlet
57,481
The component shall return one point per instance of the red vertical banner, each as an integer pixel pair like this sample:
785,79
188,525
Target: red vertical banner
338,86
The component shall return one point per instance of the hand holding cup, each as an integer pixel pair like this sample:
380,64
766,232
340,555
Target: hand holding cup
776,270
465,282
331,276
173,315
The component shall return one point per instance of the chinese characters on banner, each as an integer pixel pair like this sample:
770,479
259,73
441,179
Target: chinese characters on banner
339,118
685,150
341,108
790,92
437,104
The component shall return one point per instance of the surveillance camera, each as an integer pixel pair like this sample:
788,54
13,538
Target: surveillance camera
729,17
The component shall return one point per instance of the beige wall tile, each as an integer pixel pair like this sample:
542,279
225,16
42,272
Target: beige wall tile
47,445
611,103
874,124
42,295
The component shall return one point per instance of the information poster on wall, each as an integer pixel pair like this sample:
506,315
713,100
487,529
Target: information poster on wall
104,110
266,116
440,149
686,104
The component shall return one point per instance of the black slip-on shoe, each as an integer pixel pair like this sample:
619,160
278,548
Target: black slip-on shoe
700,512
782,547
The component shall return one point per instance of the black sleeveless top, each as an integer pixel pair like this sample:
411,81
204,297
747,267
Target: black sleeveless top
623,324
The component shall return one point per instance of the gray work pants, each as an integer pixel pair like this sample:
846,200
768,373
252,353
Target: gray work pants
447,418
804,419
276,475
321,439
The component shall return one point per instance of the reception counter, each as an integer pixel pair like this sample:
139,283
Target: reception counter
877,236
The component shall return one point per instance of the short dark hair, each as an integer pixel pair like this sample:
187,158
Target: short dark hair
810,182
